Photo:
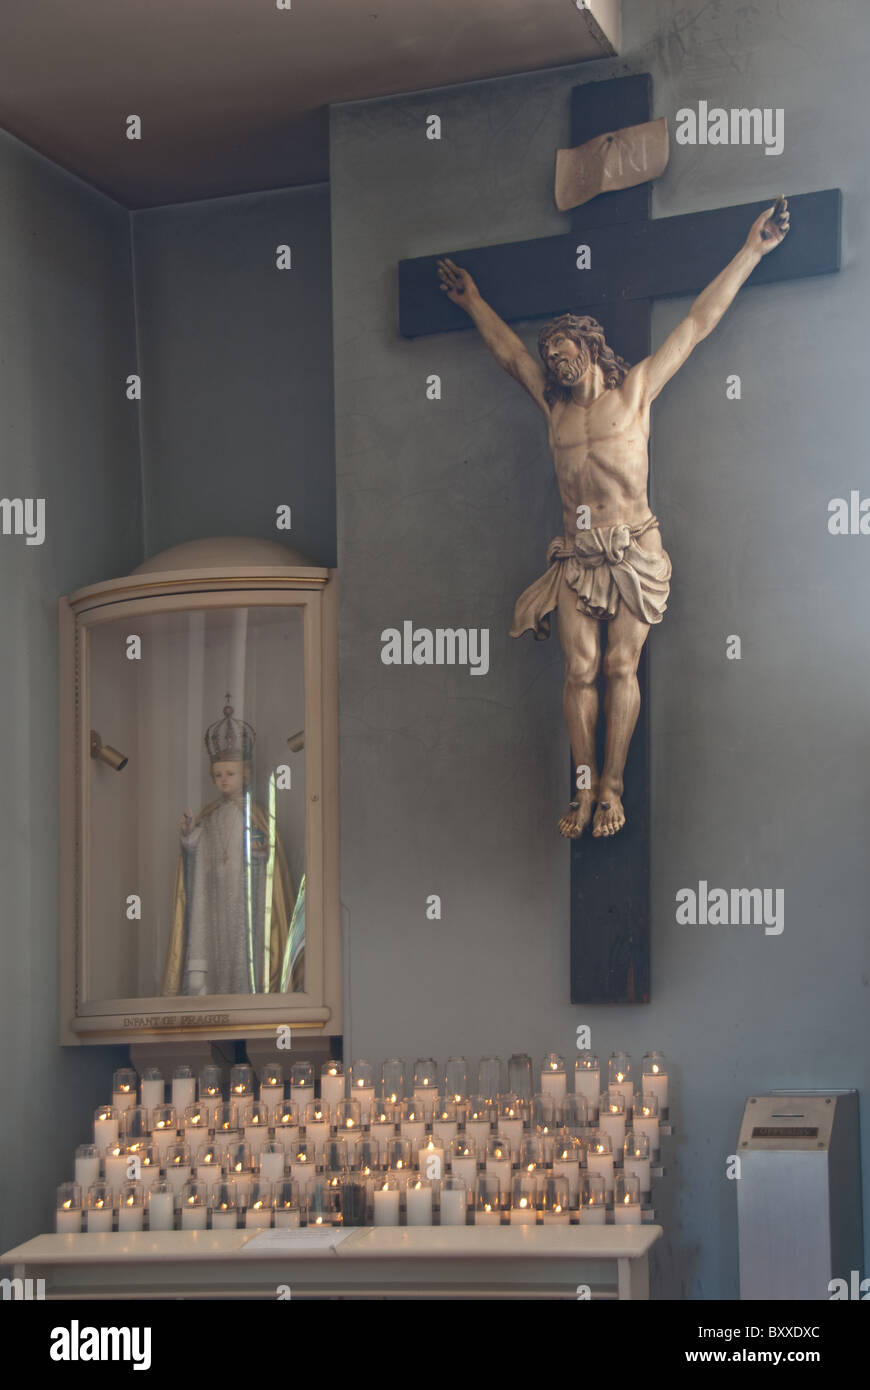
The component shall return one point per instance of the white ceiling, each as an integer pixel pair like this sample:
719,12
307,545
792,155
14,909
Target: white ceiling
233,93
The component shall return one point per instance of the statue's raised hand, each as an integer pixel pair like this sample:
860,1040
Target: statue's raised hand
768,230
187,822
456,283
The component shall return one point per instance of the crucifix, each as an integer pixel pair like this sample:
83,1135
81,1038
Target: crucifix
610,267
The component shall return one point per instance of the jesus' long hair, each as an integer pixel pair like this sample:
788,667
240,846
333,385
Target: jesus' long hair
588,334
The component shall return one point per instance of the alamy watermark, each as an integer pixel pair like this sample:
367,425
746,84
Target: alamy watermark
441,646
735,907
23,516
741,125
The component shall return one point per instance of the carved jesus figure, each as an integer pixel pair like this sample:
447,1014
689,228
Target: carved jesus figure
609,565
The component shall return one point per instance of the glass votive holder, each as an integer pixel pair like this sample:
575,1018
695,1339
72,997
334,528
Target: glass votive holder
654,1080
68,1217
271,1160
362,1085
208,1160
239,1163
636,1161
135,1125
254,1118
117,1165
332,1082
599,1158
124,1083
645,1120
152,1088
626,1201
242,1084
87,1167
554,1076
197,1121
544,1117
575,1114
144,1166
418,1200
455,1080
453,1201
556,1201
488,1200
317,1123
531,1153
160,1206
285,1204
382,1112
520,1076
611,1119
194,1205
479,1115
258,1209
164,1127
226,1119
587,1078
393,1080
513,1115
183,1088
462,1156
431,1159
498,1159
271,1085
425,1081
399,1154
323,1204
107,1125
100,1207
411,1117
335,1154
177,1166
489,1079
285,1123
302,1084
225,1205
524,1199
210,1083
347,1118
303,1165
619,1077
354,1199
364,1154
131,1207
445,1119
567,1157
593,1200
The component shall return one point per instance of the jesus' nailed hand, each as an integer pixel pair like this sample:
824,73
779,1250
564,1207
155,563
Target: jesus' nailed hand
609,564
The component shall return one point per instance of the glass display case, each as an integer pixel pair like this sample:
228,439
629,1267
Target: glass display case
198,730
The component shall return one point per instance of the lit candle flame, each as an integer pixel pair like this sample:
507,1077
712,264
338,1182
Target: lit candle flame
524,1202
67,1204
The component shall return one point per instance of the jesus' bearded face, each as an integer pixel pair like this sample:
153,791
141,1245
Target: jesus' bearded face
567,361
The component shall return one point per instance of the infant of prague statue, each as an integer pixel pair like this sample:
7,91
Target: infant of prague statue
234,900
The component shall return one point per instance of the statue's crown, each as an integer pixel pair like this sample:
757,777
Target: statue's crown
228,739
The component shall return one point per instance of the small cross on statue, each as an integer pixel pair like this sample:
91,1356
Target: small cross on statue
608,570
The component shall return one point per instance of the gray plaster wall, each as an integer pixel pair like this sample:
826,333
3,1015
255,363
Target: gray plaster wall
451,783
67,435
236,359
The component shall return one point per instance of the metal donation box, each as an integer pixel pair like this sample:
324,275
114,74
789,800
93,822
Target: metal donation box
798,1194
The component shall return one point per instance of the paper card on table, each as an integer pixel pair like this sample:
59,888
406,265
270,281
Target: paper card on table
295,1238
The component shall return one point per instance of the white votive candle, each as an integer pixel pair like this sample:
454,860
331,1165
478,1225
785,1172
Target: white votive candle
106,1126
454,1205
639,1168
116,1169
272,1162
479,1131
183,1092
430,1161
418,1199
587,1081
487,1216
224,1220
258,1217
87,1166
465,1168
386,1206
523,1215
161,1208
331,1086
153,1090
131,1216
68,1219
98,1219
286,1217
601,1163
194,1218
593,1216
626,1214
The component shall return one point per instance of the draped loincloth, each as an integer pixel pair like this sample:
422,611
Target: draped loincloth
602,564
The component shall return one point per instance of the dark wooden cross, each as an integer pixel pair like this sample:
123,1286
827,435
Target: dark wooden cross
634,259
